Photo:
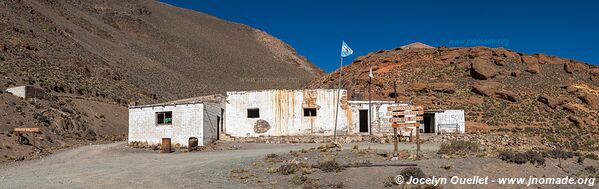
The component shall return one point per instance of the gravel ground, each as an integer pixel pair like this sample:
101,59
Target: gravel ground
118,166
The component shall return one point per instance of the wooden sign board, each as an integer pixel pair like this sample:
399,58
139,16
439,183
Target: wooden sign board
30,130
405,113
402,108
403,119
398,125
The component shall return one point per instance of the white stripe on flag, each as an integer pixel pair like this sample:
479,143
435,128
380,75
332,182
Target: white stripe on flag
345,50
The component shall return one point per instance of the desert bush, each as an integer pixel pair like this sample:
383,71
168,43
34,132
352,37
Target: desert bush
522,157
590,169
414,172
293,153
307,182
459,147
559,154
330,166
288,169
291,168
271,156
592,156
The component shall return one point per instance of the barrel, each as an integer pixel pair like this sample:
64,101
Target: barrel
166,145
193,143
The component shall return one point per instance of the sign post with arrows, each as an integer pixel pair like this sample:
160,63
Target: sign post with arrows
404,117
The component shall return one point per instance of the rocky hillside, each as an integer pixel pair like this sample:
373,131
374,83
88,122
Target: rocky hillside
495,86
95,57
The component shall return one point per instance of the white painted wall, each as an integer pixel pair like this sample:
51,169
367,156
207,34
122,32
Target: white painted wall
444,121
283,110
380,119
26,91
189,120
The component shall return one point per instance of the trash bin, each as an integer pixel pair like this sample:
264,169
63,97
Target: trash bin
166,145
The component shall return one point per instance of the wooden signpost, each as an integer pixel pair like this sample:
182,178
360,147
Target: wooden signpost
27,130
404,117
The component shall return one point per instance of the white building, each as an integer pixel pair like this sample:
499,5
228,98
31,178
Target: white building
444,121
287,113
273,113
198,119
27,92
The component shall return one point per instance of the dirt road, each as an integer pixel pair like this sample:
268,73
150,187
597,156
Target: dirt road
118,166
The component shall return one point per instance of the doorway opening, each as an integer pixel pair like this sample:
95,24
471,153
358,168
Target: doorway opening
218,126
429,123
363,121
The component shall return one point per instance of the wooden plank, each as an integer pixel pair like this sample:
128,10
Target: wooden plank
24,129
405,113
401,108
402,119
398,125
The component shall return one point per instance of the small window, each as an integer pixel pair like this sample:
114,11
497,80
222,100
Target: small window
254,113
309,112
164,118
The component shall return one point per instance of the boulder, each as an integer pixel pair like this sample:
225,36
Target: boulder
482,69
436,87
527,59
516,73
22,140
507,95
568,68
594,71
533,68
570,108
442,87
485,88
577,121
550,101
589,99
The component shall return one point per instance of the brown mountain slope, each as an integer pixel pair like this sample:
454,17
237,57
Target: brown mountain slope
138,49
95,57
495,86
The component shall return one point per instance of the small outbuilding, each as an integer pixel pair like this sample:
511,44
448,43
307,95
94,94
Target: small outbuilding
27,92
444,121
188,121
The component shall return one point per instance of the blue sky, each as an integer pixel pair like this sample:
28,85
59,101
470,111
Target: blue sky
316,28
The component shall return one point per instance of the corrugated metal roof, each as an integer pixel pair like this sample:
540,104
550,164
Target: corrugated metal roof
216,98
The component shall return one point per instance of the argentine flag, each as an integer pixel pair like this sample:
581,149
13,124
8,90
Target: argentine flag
345,50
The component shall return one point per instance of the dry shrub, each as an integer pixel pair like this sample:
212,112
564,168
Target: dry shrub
414,172
272,158
307,182
459,147
291,168
330,166
530,156
592,156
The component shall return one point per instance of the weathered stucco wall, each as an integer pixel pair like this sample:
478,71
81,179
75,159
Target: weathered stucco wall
380,119
282,113
187,122
212,112
449,120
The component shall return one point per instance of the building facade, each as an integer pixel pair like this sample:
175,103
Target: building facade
287,113
268,113
181,121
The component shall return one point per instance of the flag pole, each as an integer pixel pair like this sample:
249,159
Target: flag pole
370,102
338,98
